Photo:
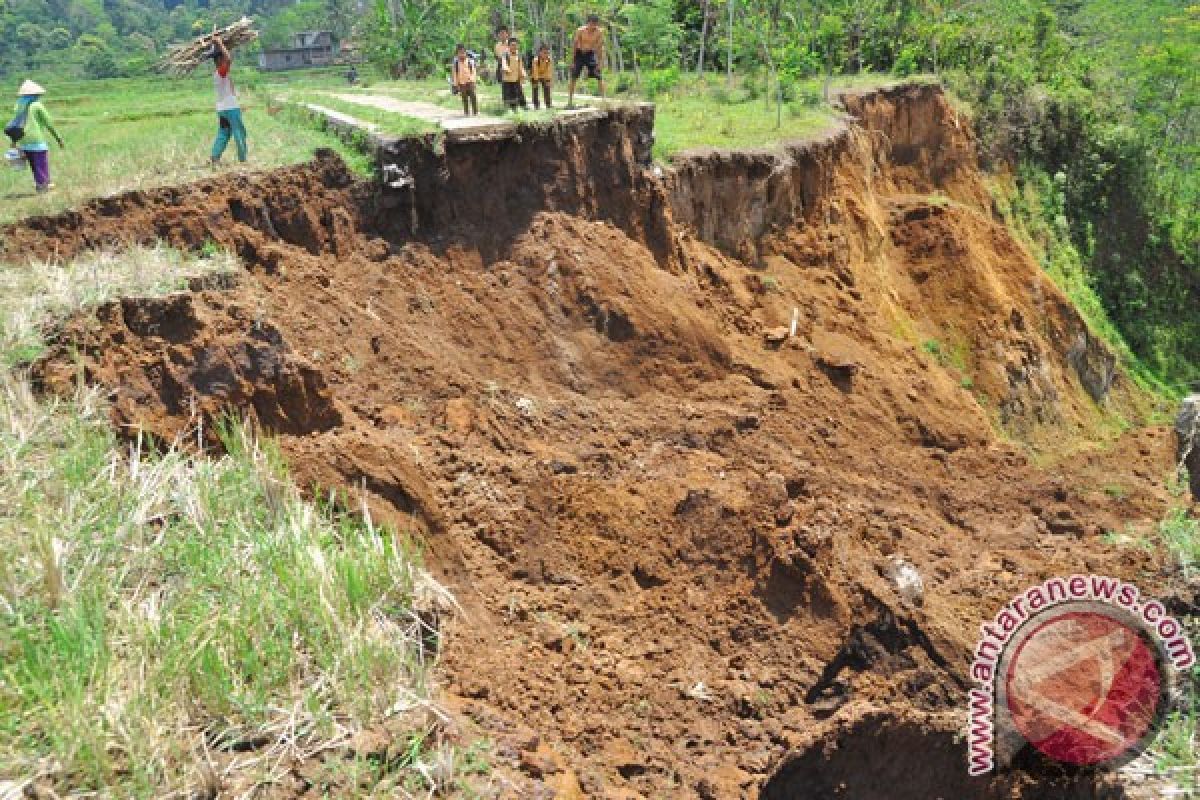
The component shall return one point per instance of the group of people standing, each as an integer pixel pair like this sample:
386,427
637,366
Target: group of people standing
32,126
512,72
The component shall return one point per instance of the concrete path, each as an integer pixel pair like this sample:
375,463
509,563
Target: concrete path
457,126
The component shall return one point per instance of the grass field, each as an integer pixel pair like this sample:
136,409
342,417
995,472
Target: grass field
128,134
706,115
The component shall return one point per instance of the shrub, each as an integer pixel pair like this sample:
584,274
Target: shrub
659,81
99,62
908,62
754,85
807,95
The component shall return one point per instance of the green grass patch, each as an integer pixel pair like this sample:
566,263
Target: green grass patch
141,132
1176,746
1181,534
152,603
1034,210
950,356
689,120
697,114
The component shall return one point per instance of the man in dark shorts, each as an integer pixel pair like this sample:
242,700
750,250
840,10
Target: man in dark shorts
589,54
500,49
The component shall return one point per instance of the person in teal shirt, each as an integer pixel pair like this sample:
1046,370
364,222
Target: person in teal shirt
34,144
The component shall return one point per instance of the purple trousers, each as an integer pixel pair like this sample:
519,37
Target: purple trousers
39,162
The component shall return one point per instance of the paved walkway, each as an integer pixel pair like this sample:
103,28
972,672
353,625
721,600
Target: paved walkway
458,127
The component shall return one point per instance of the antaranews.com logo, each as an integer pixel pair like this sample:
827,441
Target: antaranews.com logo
1080,668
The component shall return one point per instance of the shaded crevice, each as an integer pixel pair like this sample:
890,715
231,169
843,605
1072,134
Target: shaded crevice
881,756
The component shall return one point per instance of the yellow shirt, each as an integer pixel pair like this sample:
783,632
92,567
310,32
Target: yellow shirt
514,70
464,72
543,69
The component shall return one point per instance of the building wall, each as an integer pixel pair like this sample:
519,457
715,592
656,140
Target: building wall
295,58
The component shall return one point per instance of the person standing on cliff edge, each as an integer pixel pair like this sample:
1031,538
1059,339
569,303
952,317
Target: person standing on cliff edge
500,50
465,76
513,76
541,76
589,53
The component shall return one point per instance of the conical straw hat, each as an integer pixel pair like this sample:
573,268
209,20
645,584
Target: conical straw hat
28,88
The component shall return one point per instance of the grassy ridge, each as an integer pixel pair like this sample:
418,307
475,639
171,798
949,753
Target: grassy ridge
691,113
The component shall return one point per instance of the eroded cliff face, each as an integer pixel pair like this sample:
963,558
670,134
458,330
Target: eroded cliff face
892,206
672,526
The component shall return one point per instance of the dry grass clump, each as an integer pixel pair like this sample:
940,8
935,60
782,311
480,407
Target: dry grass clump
34,295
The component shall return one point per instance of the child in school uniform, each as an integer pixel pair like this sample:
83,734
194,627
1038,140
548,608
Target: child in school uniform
465,77
541,76
513,78
500,50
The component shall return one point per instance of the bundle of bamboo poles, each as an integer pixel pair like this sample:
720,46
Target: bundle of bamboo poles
182,59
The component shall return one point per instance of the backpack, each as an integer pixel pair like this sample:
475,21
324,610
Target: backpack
454,68
15,130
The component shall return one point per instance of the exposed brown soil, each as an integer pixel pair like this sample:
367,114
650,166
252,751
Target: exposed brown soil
670,526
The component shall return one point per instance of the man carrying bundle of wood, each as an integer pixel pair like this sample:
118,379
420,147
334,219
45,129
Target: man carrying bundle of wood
184,58
589,53
229,112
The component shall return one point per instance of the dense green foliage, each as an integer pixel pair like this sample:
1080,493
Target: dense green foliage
1095,101
1097,110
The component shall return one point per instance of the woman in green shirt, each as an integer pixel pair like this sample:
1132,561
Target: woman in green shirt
38,125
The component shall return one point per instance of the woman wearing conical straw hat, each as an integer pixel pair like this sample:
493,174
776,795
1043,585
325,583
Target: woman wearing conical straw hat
34,143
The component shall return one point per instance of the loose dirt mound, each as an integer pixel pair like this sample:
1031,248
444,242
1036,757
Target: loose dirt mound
674,529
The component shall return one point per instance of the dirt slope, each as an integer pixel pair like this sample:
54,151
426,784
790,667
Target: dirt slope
673,534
